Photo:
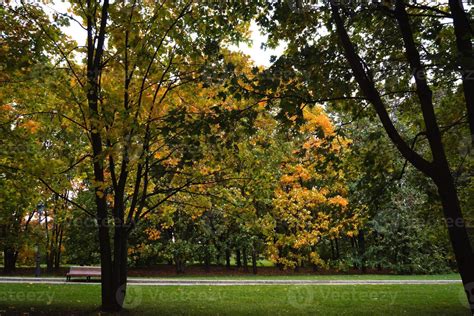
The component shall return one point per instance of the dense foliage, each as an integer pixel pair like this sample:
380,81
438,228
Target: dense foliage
157,144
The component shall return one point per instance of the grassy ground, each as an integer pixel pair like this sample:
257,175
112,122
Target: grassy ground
241,300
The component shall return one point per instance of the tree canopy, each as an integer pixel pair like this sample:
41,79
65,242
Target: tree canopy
155,142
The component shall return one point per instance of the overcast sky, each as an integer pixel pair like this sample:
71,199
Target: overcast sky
260,56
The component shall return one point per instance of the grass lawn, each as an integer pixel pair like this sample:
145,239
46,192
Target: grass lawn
241,300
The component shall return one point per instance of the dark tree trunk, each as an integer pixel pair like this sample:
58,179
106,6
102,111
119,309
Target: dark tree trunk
207,260
9,259
109,303
50,260
354,251
254,260
238,258
119,271
361,243
180,265
336,242
463,33
315,266
438,170
227,258
279,264
245,259
440,173
94,67
457,233
57,261
49,241
333,255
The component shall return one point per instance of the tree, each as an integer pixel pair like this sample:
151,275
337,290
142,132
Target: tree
389,72
26,122
310,203
138,58
18,192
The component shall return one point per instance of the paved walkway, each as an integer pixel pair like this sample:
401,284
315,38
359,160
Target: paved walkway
164,282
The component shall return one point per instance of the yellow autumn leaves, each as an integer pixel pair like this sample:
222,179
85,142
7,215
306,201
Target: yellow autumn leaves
310,201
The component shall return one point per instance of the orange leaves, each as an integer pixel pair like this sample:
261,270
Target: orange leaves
302,172
262,103
287,179
152,234
310,199
6,108
172,162
352,233
312,143
338,200
31,126
161,154
316,118
296,174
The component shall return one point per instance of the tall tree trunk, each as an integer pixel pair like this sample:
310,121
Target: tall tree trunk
94,68
441,173
314,265
361,242
109,303
120,264
207,260
57,261
245,259
10,256
354,251
254,260
333,254
227,258
49,240
180,264
438,170
463,33
238,258
457,233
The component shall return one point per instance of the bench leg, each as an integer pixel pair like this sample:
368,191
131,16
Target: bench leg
68,278
88,278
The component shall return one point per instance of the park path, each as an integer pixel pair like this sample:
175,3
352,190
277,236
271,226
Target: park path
168,282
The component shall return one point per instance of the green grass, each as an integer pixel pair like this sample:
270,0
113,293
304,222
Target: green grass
241,300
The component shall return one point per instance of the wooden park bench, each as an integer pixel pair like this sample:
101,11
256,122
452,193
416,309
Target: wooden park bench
87,272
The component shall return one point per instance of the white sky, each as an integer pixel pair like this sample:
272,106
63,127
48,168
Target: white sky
261,57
